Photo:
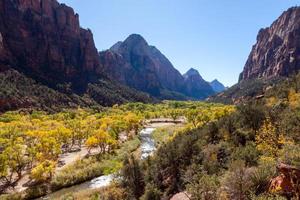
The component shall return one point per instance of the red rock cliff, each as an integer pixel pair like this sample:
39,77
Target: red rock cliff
277,51
43,39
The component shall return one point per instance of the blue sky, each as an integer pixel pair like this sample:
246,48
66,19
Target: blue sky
213,36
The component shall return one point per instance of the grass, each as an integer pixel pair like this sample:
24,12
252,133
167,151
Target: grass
111,192
89,168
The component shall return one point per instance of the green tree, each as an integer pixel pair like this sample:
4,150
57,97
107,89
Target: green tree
133,176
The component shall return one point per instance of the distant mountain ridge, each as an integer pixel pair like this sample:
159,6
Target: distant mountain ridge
139,65
196,86
217,86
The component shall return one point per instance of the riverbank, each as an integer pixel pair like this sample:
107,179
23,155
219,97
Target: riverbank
77,169
146,148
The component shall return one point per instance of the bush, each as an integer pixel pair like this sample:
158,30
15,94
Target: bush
236,183
261,177
247,153
151,193
204,188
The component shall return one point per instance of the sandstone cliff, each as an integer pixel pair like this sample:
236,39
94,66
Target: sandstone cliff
277,51
43,39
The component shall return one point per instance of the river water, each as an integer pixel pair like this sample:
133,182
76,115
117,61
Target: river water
147,149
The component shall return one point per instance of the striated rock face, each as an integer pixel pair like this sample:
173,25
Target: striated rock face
277,51
143,67
43,39
196,86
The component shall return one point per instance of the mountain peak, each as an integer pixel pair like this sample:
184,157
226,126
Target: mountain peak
215,81
191,72
135,39
217,86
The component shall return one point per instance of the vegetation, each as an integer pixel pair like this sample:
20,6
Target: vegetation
221,152
32,142
18,91
231,156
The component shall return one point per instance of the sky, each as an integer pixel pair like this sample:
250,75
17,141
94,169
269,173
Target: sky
213,36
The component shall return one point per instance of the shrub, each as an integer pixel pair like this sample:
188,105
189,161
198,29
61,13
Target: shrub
236,183
151,193
204,188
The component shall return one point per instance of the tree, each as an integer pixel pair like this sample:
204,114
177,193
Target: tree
132,122
102,140
91,143
251,116
43,171
267,139
191,117
174,113
132,176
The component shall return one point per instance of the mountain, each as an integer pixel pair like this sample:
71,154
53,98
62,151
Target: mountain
139,65
42,42
277,50
196,86
217,86
274,57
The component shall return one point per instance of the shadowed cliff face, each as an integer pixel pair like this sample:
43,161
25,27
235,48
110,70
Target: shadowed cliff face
196,86
277,51
48,62
217,86
138,65
143,67
43,39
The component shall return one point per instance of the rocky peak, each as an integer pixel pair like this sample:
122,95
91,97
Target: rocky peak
136,64
217,86
192,73
135,39
195,85
277,50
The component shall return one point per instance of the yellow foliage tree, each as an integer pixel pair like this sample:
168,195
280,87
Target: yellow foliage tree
43,171
268,140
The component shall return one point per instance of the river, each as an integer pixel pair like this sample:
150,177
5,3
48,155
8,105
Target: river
147,148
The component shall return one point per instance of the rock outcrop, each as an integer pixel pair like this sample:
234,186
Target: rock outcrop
287,183
43,39
277,51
